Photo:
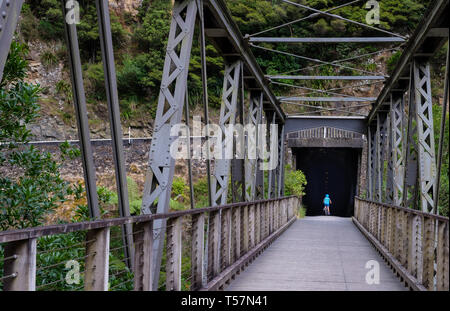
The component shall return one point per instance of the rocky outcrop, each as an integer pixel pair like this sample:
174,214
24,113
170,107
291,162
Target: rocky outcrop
129,6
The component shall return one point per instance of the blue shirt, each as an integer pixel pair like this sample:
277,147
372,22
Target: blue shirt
326,201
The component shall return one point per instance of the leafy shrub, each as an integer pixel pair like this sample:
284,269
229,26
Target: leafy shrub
28,24
179,187
201,192
96,80
48,59
294,181
131,76
64,88
392,61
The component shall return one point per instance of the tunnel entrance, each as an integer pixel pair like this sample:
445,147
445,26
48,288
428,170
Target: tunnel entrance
329,170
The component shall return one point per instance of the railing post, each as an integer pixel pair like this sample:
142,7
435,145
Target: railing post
415,249
396,234
244,229
20,268
96,273
251,225
271,216
267,233
197,250
143,245
383,219
214,244
225,239
257,223
428,240
392,226
442,273
173,254
404,245
237,232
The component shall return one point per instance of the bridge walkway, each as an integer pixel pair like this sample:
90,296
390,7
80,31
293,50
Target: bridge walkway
317,253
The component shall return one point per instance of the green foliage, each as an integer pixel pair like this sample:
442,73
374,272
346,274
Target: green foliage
64,88
37,188
96,80
28,24
179,188
201,192
294,182
392,61
51,24
16,66
49,59
131,76
301,212
134,196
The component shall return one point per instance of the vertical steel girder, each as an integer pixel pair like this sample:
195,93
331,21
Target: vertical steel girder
371,162
389,190
239,150
260,143
271,189
280,168
410,173
251,163
398,146
379,157
10,11
158,183
201,21
79,100
228,110
425,134
115,125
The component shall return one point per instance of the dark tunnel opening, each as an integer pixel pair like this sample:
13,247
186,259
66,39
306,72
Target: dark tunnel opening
330,171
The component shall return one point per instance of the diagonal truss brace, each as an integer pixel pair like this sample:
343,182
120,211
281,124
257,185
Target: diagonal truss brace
251,164
425,134
228,110
158,183
397,140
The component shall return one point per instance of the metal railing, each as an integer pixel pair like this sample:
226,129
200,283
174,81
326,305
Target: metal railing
415,243
204,249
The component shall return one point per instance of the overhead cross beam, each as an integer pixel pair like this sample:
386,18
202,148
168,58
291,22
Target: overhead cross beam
327,40
287,77
328,99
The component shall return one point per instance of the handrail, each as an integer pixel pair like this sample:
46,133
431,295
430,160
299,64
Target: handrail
36,232
412,211
415,243
219,242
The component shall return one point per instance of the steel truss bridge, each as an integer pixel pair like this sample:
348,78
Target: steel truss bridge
225,241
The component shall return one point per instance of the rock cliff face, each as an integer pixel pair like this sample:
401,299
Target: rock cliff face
130,6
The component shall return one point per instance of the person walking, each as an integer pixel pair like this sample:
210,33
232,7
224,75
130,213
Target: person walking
326,204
